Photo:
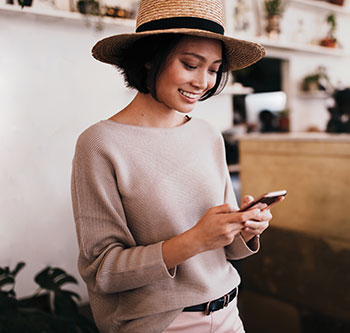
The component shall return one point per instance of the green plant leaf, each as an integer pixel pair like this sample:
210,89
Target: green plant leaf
19,266
6,280
21,2
64,303
53,278
72,294
56,272
43,279
5,270
66,279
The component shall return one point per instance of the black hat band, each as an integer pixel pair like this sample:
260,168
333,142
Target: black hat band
182,22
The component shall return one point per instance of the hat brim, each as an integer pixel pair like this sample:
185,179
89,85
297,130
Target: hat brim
239,53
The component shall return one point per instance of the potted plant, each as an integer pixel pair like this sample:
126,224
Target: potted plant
317,82
330,40
337,2
23,3
88,7
49,309
274,10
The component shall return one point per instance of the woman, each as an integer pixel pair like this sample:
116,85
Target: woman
155,211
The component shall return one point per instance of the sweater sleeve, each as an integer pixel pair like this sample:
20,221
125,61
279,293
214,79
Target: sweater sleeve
238,249
109,259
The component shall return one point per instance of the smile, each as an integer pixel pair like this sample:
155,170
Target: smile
188,94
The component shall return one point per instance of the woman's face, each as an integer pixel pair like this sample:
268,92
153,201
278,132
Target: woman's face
189,72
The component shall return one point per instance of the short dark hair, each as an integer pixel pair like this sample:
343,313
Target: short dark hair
153,51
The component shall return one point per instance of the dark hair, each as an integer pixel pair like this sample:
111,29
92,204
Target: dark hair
152,51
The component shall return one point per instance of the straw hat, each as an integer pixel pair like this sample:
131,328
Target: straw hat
203,18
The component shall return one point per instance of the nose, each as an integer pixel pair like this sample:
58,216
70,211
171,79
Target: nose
200,80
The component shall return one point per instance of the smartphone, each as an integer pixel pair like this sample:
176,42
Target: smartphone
265,200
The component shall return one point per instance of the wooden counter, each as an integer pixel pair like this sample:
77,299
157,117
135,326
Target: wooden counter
303,263
314,169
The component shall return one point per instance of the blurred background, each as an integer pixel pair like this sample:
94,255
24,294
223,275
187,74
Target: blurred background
285,121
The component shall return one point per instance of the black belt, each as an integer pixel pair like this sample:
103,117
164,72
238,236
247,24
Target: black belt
215,305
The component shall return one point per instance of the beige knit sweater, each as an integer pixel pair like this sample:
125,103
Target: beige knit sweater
132,188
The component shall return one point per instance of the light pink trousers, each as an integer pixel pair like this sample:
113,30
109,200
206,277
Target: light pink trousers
223,321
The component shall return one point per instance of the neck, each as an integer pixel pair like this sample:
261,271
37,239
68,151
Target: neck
144,110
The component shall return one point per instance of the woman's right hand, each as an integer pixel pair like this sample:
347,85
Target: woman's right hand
217,228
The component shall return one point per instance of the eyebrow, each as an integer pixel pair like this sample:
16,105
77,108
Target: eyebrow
200,57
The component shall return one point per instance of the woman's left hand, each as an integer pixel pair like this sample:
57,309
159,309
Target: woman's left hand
258,226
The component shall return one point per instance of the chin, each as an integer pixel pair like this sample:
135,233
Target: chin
186,108
185,111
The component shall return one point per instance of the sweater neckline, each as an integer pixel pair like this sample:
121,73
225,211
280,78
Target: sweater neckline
147,128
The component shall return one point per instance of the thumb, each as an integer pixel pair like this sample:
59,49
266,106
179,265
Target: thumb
246,200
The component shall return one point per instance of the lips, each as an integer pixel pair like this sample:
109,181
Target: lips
189,94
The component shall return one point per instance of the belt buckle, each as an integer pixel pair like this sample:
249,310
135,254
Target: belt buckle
226,301
207,310
226,297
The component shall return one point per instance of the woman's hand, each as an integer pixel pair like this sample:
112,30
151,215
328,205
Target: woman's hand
255,227
217,228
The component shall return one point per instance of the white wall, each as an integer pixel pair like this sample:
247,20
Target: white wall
51,89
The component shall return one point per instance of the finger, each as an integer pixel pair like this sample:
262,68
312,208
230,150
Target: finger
234,227
225,208
256,226
242,216
264,215
246,200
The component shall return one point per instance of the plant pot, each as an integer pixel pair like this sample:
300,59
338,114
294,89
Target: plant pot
310,86
337,2
273,27
88,7
329,42
284,123
26,3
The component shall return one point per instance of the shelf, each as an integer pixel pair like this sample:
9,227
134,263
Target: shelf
62,14
298,47
322,5
130,23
